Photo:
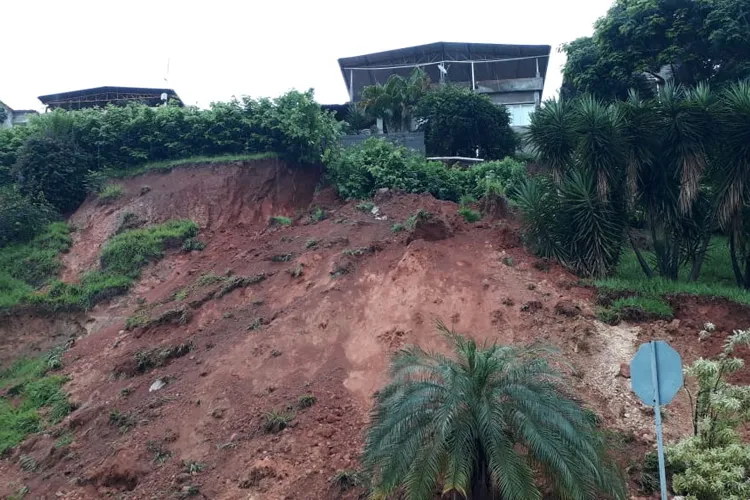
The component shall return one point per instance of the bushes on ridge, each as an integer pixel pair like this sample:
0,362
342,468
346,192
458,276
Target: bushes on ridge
21,216
357,172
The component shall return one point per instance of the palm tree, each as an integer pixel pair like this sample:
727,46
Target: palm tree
396,101
483,424
734,177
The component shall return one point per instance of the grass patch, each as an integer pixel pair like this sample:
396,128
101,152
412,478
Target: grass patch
318,214
348,479
109,193
365,206
306,401
296,272
276,421
279,220
469,215
123,421
398,227
194,161
235,282
153,358
311,243
30,387
716,278
24,267
281,257
121,261
358,252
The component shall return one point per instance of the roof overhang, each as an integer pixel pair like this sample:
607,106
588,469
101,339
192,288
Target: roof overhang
486,62
101,96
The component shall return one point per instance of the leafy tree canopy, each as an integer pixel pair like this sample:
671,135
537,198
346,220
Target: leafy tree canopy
459,122
693,40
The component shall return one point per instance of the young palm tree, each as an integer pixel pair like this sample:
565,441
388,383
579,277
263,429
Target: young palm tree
483,425
396,101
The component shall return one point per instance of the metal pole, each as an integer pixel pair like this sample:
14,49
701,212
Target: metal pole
473,84
657,414
537,67
351,85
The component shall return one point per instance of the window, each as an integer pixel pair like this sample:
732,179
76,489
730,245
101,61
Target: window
520,114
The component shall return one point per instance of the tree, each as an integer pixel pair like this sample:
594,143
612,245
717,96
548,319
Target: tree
460,122
22,217
483,423
690,41
396,101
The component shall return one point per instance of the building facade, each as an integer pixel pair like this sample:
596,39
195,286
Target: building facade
10,117
510,75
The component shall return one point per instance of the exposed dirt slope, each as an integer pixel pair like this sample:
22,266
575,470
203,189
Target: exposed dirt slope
363,292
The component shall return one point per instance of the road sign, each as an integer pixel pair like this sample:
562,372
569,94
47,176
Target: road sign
656,376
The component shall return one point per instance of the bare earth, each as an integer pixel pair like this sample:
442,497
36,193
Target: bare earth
259,348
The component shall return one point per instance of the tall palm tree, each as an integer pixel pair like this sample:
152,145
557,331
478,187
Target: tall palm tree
482,425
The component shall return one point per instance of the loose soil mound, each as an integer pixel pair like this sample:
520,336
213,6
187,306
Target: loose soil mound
232,417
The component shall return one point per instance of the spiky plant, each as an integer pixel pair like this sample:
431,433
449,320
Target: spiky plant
552,135
538,202
483,425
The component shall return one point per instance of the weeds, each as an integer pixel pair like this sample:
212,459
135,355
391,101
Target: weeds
365,206
27,463
64,440
312,243
192,467
110,193
420,214
318,214
281,257
349,479
398,227
341,270
635,308
209,279
469,215
255,325
276,421
306,401
191,244
129,221
188,491
159,452
181,294
279,220
137,320
153,358
296,272
231,284
123,421
508,261
358,252
165,166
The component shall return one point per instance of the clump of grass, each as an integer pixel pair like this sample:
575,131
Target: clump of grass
296,272
210,279
341,269
256,324
348,479
279,220
365,206
469,215
149,359
27,463
466,199
276,421
128,221
642,308
166,166
181,294
358,252
311,243
508,261
192,467
109,193
420,214
159,452
281,257
123,421
64,440
137,320
398,227
231,284
306,401
188,491
191,244
318,214
38,400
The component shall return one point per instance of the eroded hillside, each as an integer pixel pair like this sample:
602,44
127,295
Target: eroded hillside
247,369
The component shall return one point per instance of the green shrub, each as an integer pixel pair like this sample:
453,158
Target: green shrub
279,220
306,401
191,244
110,193
398,227
458,122
21,216
55,167
276,421
318,214
714,462
469,215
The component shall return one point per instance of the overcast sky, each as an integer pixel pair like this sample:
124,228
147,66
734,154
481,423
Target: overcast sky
218,49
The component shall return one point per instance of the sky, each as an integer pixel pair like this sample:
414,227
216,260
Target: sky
213,50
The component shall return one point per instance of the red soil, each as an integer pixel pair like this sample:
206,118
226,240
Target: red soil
322,335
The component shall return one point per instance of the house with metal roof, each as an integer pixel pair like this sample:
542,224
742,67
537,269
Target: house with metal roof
511,75
102,96
10,117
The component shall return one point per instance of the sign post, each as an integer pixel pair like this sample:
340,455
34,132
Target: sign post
656,376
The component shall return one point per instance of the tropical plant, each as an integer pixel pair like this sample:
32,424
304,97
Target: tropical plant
395,101
713,464
483,424
21,216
